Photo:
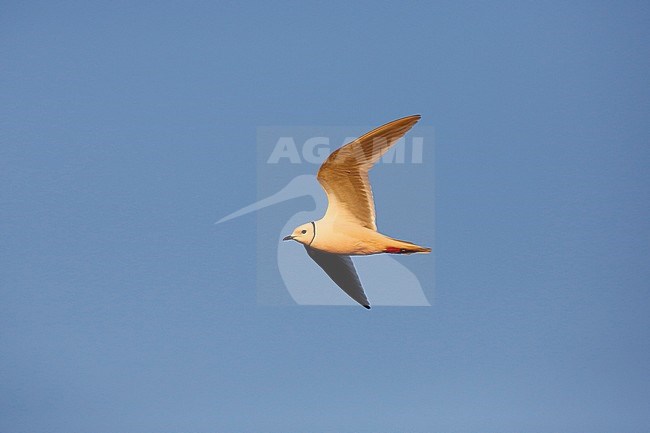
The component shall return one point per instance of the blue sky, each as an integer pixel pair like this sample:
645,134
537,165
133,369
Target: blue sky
127,130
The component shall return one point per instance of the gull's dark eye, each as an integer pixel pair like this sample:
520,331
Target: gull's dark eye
303,232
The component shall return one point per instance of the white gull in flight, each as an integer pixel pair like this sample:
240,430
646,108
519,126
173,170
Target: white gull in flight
348,227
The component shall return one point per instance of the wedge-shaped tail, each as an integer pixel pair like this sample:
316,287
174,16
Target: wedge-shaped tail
397,246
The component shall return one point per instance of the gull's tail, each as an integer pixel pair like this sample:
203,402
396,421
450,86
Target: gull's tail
397,246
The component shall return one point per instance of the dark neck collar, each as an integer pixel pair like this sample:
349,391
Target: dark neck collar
313,225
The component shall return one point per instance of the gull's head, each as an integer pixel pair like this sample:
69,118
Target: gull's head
303,234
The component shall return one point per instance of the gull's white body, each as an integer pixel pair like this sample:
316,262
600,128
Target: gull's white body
348,226
352,239
347,238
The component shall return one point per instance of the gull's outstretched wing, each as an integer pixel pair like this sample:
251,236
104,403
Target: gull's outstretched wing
344,175
341,270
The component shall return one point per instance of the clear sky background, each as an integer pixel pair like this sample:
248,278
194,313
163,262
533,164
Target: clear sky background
128,128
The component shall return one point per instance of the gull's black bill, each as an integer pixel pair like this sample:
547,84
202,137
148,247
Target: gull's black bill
287,238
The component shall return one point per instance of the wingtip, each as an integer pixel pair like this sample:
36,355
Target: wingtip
367,307
412,117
